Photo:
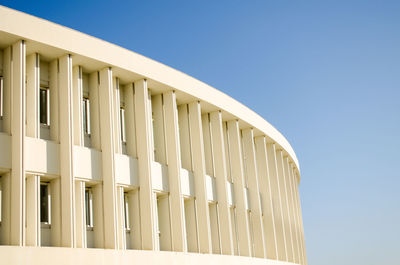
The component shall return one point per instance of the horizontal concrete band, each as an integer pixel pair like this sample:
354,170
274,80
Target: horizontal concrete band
67,256
83,47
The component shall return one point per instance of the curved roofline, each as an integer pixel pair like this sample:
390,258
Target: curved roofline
43,31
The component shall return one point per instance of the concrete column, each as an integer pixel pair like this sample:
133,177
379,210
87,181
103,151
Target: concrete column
54,100
130,123
217,141
156,216
232,208
7,70
150,122
227,151
164,222
199,172
288,206
254,191
32,211
184,136
108,158
77,98
285,215
32,95
94,81
191,226
300,220
208,149
66,151
6,209
80,214
158,129
243,233
297,216
98,216
56,222
276,201
144,150
214,226
174,172
134,217
234,231
293,220
266,197
121,218
212,206
116,118
17,144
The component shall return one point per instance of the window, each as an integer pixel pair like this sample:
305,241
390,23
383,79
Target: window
126,211
89,207
1,97
45,203
122,121
1,196
44,108
86,116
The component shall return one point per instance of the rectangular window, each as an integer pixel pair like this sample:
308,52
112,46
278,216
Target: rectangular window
1,97
1,197
122,121
86,115
126,211
45,203
44,108
89,207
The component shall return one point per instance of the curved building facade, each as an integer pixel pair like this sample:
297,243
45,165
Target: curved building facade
109,157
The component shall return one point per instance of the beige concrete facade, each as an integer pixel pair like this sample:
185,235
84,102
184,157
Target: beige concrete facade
105,154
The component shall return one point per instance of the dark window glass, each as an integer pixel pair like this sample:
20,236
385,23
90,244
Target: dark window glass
84,116
126,211
122,124
44,204
43,106
88,208
1,96
85,113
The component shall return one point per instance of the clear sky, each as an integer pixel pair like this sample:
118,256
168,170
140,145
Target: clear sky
324,73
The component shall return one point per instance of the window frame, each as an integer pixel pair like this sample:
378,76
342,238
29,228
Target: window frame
89,208
86,116
1,199
126,212
122,124
48,195
1,97
47,108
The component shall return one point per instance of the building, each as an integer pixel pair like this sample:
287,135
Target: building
105,153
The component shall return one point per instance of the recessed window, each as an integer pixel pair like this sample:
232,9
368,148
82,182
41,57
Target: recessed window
44,106
45,203
1,97
86,115
89,207
126,211
1,197
122,121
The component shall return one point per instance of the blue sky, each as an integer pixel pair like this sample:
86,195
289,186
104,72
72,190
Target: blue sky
324,73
